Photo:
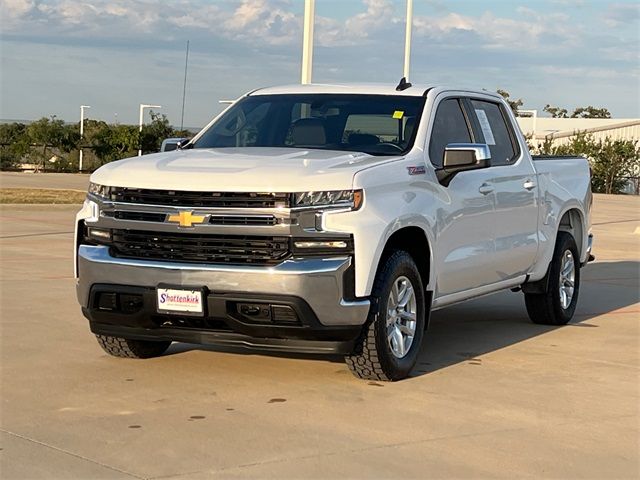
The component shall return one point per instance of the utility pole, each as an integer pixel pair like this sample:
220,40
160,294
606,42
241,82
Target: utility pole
142,107
307,41
407,39
82,107
184,87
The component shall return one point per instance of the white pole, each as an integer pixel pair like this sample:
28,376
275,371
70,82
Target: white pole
82,107
407,39
142,107
307,41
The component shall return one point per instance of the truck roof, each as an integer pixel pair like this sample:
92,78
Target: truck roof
416,90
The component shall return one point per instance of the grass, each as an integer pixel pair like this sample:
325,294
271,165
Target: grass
41,195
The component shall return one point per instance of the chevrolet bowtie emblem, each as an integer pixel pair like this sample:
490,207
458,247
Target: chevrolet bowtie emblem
186,219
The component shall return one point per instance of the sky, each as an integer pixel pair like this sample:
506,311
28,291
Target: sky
115,54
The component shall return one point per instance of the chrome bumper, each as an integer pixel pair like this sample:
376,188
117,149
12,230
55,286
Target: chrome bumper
318,281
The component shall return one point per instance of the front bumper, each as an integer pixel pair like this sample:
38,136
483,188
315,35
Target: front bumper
314,288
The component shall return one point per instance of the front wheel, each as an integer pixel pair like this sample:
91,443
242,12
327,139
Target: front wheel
389,345
557,306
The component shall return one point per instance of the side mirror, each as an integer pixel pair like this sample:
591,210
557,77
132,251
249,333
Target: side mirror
460,157
171,144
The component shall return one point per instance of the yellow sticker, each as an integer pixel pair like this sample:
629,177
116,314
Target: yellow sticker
398,114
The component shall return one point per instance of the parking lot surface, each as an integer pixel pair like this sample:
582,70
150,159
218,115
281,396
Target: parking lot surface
493,395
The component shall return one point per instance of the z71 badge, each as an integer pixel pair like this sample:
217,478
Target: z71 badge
417,170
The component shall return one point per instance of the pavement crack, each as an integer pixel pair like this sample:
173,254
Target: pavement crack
615,221
35,234
67,452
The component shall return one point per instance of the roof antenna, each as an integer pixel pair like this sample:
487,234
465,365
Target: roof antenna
403,85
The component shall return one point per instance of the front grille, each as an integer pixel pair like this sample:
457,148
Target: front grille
188,247
137,216
199,199
243,220
232,220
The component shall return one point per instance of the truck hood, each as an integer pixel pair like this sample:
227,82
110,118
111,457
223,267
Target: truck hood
257,169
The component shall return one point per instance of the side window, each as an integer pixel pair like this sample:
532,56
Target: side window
493,131
449,126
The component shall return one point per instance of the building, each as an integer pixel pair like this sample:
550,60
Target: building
561,129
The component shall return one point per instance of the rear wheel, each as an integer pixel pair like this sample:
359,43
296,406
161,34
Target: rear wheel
128,348
558,304
390,342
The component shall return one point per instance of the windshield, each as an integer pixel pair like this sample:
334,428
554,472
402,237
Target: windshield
374,124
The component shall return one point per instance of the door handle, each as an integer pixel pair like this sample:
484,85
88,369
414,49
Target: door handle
529,184
486,188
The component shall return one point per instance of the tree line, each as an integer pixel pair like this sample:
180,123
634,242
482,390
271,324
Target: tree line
50,144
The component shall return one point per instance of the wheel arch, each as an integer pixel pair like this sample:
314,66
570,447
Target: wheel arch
572,221
415,241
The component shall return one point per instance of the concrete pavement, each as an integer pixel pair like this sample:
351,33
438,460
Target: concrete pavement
493,396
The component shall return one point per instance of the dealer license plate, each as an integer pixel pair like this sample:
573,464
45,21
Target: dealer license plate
180,301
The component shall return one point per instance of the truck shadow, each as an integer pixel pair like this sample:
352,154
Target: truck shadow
464,332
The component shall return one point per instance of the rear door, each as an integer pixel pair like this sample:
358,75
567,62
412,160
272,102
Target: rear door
465,220
513,178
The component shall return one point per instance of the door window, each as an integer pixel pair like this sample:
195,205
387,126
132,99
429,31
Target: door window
449,126
492,129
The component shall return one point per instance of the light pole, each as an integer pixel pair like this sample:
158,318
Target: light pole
142,107
407,39
307,41
82,107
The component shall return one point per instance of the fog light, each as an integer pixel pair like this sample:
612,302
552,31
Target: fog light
99,234
312,245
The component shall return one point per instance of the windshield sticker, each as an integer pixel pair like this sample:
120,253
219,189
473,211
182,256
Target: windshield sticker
486,128
398,114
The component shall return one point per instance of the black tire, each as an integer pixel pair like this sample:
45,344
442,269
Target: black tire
128,348
546,308
372,358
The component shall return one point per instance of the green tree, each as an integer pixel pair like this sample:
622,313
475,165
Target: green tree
612,161
115,142
590,112
14,144
155,132
514,104
54,136
580,112
556,112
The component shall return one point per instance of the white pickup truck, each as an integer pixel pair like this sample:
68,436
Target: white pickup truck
330,219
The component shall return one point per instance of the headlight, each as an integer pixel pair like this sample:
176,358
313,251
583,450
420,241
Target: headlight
335,198
99,190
